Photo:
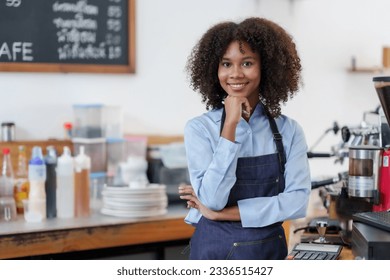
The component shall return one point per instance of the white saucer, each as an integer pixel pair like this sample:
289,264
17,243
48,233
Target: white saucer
133,214
135,205
151,190
139,196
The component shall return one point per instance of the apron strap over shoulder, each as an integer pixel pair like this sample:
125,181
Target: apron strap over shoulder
278,141
222,120
275,132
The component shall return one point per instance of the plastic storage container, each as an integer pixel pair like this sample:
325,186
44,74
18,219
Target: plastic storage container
96,149
112,122
88,121
7,209
119,150
97,182
116,153
97,120
136,146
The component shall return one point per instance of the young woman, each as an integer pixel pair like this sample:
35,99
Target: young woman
248,163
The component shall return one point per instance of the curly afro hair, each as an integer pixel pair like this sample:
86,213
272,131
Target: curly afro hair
280,63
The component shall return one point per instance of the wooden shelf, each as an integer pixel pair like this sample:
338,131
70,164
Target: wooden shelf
29,144
367,70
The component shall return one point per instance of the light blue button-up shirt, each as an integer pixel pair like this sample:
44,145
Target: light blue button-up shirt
212,162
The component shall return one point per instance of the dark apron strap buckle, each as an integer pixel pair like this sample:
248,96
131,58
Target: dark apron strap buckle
277,136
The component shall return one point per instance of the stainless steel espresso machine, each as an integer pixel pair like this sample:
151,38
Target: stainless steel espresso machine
365,186
369,171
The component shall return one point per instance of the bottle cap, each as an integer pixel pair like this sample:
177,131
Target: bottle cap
37,166
5,151
68,125
82,161
36,156
65,164
67,151
51,155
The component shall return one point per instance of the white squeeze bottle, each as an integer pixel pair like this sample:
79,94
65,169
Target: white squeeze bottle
37,178
82,183
65,185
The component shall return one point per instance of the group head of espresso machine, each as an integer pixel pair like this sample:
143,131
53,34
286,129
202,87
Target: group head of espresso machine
366,185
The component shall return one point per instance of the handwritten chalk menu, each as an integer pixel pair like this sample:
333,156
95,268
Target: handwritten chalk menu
67,36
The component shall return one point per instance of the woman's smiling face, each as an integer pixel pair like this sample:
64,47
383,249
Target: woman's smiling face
239,71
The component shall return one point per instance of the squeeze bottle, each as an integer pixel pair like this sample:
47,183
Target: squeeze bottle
65,185
82,183
37,194
21,188
7,175
51,182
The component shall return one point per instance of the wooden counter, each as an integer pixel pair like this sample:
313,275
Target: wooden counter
21,239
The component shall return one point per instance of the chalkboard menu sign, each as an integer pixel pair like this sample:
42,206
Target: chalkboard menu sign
67,36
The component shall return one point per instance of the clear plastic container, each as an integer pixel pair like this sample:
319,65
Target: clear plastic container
97,180
136,146
97,120
118,152
34,210
112,122
7,209
96,149
88,121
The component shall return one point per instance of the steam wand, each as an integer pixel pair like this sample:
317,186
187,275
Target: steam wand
335,129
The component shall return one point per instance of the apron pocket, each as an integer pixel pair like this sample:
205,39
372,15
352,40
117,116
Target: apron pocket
273,248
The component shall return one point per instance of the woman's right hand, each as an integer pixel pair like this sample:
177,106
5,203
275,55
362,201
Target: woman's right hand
235,106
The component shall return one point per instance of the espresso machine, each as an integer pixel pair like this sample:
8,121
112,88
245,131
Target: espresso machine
382,87
365,187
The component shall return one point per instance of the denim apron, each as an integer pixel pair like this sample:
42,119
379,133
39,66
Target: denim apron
259,176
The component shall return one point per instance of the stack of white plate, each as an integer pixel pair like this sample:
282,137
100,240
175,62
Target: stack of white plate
147,201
